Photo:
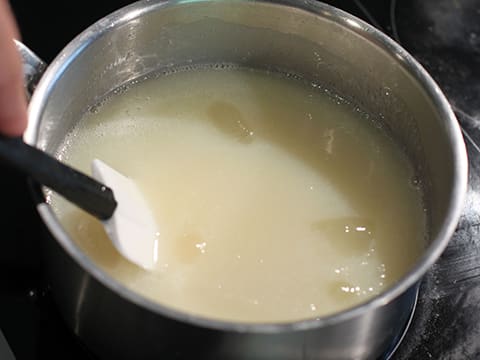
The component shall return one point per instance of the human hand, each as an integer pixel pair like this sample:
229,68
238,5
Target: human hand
13,104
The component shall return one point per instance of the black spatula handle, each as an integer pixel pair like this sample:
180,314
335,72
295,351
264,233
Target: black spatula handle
87,193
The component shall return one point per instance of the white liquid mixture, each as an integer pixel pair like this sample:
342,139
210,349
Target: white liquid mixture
275,200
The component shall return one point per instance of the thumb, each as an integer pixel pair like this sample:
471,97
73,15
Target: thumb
13,105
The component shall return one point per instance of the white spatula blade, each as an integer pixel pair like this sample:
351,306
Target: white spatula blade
132,228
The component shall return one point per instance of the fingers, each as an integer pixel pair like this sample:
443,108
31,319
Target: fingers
13,105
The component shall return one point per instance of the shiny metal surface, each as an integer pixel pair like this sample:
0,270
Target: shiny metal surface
5,351
307,39
33,68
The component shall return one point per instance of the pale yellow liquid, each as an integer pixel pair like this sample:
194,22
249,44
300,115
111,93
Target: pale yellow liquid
275,201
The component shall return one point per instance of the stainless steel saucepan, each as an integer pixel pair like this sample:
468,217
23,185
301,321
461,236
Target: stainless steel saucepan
316,41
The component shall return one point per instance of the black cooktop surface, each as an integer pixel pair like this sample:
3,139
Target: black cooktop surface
444,35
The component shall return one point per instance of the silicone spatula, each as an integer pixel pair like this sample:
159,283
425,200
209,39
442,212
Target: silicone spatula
126,216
